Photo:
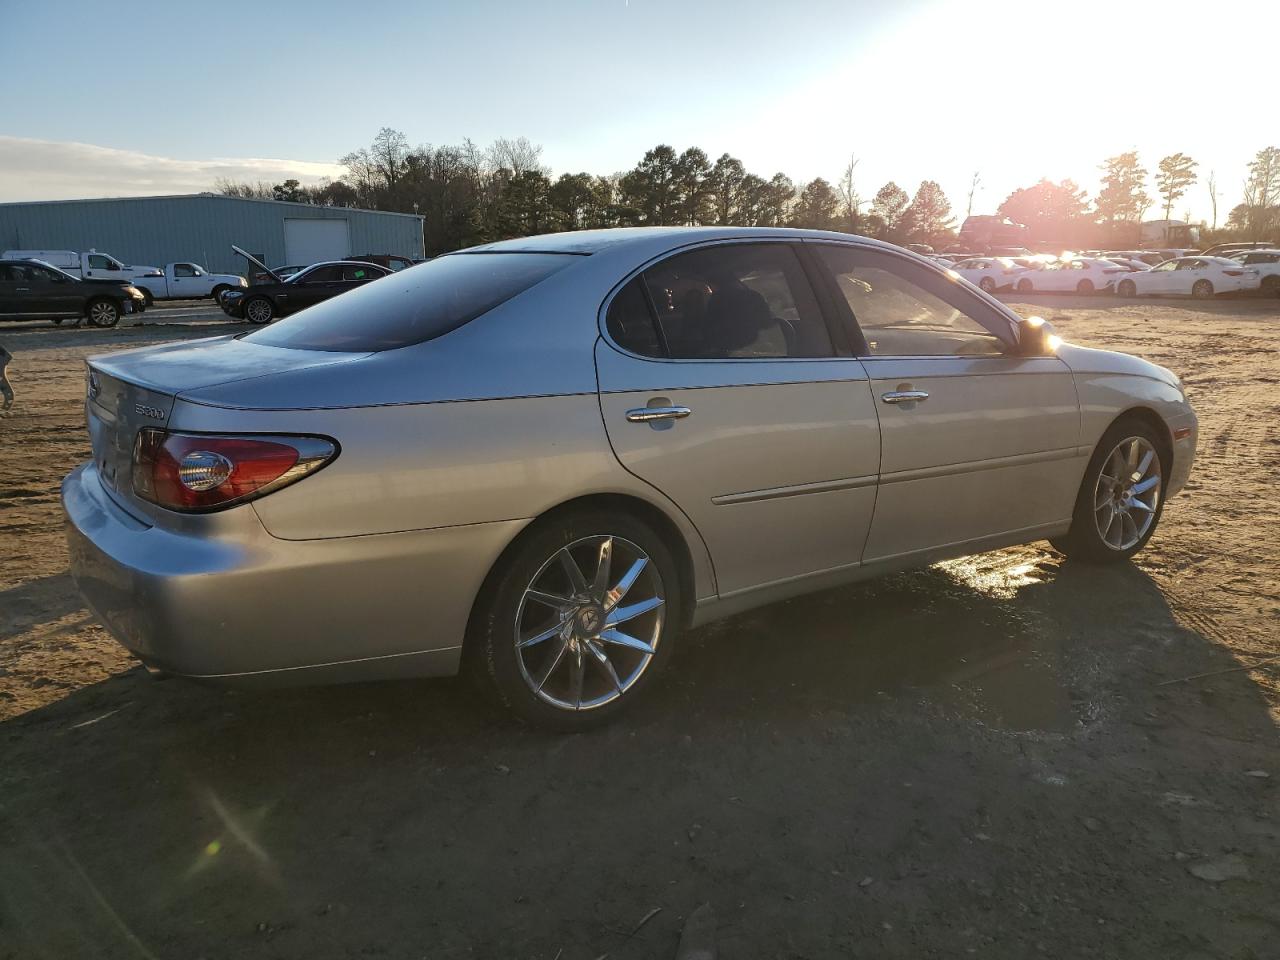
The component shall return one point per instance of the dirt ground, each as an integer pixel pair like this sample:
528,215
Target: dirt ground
999,756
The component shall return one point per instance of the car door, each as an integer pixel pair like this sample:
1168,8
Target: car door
977,443
185,282
721,386
101,267
310,287
1188,272
1159,279
9,283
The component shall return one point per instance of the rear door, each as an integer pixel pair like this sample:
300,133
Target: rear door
721,385
976,442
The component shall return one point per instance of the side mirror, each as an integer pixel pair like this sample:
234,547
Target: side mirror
1037,338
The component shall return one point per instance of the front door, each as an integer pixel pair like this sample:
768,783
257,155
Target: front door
721,387
976,441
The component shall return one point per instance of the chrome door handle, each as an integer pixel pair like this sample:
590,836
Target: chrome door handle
903,396
650,414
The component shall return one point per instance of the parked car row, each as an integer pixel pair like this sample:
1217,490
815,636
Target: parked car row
1128,273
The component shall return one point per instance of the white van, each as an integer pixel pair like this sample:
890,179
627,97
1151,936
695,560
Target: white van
90,266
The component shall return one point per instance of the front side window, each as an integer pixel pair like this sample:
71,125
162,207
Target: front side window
183,270
735,302
905,310
1166,265
326,274
1190,264
98,262
416,305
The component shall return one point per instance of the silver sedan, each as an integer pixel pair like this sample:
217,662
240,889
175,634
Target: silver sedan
541,460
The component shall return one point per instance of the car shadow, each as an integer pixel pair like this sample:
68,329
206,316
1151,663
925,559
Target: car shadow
880,730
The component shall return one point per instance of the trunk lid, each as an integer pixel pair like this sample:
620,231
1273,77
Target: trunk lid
134,389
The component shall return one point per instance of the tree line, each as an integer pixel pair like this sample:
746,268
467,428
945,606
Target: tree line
469,195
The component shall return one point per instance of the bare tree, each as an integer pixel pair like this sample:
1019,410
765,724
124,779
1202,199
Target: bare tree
520,156
974,184
849,199
243,189
1213,196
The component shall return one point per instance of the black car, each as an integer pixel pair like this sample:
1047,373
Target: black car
264,302
31,290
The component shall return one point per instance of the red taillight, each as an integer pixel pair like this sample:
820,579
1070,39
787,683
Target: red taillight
1234,273
189,472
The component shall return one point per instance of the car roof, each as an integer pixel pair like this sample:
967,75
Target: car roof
587,242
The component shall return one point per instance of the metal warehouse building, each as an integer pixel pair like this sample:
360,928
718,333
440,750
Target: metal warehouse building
201,228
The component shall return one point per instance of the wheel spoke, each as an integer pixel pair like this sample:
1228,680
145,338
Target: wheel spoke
1131,458
628,580
576,671
601,582
540,637
625,640
602,658
1142,466
577,581
1145,508
1128,524
631,611
1145,485
552,663
550,599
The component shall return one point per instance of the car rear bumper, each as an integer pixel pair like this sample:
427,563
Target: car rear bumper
255,608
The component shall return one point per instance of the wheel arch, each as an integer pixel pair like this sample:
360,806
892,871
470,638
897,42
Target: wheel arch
1157,423
637,507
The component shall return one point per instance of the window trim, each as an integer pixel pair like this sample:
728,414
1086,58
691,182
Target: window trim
994,306
836,335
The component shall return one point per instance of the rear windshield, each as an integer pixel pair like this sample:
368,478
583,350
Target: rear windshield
416,304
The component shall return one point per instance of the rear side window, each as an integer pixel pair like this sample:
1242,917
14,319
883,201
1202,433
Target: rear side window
723,302
415,305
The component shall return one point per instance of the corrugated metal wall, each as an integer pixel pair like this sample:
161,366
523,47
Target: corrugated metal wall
201,229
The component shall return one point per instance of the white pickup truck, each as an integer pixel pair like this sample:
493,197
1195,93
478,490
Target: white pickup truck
187,281
89,266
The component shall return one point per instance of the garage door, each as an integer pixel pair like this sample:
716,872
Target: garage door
310,241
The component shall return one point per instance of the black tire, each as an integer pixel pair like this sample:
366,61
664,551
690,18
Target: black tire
57,322
491,656
1202,290
1085,287
1127,288
148,298
987,284
1025,286
1083,541
1271,286
218,291
259,310
102,312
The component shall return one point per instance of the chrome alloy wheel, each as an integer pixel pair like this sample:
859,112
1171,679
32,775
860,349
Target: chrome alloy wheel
1127,494
258,311
589,622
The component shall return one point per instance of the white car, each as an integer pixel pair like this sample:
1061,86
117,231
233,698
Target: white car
989,273
1078,274
1267,263
1200,277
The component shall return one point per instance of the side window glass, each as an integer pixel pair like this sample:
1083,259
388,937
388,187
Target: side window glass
630,322
737,301
321,275
906,311
99,262
358,271
183,270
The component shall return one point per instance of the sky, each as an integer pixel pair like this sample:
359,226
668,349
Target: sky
165,97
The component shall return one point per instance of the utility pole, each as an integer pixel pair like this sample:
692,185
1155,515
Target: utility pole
973,188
